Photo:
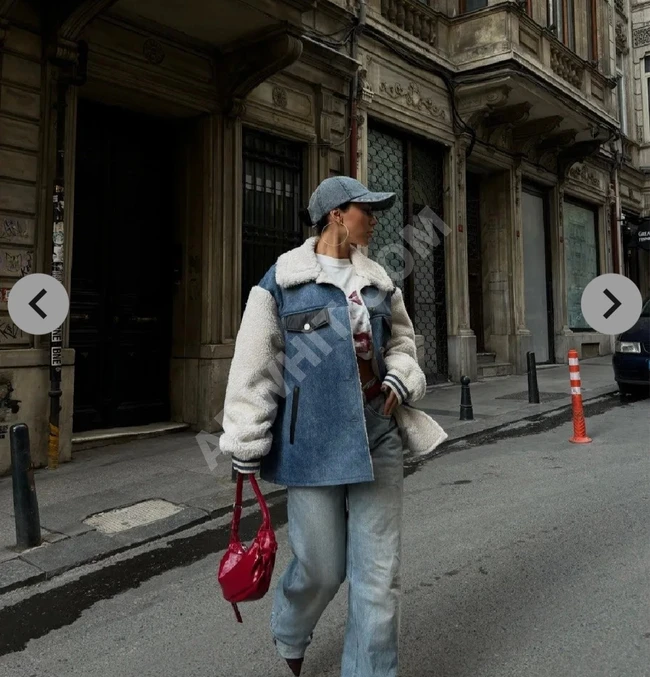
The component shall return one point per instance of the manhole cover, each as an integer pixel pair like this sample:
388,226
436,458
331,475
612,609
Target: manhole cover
137,515
543,397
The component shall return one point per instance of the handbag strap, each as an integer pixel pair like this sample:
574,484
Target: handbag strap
237,507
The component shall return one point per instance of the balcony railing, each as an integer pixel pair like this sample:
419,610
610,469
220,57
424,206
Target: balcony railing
567,65
413,17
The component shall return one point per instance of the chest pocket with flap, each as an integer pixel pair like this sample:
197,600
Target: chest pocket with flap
307,321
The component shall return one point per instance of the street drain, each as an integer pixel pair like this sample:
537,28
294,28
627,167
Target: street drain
137,515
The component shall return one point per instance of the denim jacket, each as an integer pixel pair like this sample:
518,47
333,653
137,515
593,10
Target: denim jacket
294,405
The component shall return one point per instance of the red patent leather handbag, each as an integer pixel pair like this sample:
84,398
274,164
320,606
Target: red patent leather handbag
245,572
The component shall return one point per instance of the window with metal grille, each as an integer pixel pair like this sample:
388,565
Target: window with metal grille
272,195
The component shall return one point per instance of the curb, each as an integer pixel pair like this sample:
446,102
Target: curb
64,555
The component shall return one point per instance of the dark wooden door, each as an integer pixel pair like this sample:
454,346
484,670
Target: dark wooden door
474,260
121,292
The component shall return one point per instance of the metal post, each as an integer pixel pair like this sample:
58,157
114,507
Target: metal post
77,78
533,390
466,409
56,338
28,524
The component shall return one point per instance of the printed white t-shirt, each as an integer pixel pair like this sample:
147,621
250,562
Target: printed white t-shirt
341,272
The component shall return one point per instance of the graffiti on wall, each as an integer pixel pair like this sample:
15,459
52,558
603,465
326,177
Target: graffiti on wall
16,263
10,333
13,229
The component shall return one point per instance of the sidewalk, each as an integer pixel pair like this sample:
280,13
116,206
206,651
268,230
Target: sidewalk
171,474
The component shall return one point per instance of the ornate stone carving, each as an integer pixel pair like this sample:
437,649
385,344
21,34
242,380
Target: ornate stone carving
237,108
280,98
515,114
81,16
244,69
366,93
566,65
639,133
621,37
528,135
413,98
578,152
583,174
620,6
474,106
641,36
65,51
153,51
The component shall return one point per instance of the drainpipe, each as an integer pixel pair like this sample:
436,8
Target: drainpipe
77,78
354,89
615,210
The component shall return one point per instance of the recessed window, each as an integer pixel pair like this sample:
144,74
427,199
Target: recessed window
272,194
561,15
472,5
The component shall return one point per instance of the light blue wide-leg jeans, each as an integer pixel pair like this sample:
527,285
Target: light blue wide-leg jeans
365,548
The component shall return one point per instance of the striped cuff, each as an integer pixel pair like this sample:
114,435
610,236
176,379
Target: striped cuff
394,383
246,467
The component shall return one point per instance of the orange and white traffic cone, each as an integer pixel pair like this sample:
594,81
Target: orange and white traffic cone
579,425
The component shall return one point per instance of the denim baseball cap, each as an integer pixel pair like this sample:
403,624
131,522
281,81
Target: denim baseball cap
338,190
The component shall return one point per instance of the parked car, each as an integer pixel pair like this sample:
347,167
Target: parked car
631,359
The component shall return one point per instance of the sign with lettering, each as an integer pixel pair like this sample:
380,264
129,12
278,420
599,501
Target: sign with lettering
643,237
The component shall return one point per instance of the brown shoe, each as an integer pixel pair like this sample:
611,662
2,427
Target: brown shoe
295,665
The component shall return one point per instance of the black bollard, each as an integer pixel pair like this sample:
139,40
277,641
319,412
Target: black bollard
28,523
466,409
533,390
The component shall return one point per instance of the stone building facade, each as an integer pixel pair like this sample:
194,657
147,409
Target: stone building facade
191,138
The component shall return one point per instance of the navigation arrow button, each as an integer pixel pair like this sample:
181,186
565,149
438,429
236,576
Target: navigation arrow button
35,300
615,301
618,316
38,304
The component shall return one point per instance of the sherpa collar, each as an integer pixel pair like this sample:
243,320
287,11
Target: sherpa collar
300,265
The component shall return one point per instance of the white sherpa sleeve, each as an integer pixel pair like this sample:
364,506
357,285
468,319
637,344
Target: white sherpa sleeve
252,392
404,375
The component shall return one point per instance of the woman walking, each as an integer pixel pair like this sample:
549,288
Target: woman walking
318,398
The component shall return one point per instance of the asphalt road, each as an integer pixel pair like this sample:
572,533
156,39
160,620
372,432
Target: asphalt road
525,556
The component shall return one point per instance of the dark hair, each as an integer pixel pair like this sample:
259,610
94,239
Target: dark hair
322,224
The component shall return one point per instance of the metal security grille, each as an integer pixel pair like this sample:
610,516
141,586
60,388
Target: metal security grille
386,173
272,195
430,317
414,171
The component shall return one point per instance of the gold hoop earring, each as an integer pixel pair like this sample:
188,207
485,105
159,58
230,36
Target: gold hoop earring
347,235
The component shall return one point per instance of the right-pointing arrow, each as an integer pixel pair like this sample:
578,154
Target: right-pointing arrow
35,300
615,301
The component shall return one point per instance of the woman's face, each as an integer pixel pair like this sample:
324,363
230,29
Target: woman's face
361,222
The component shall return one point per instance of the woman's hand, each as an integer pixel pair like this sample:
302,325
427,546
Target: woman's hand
391,401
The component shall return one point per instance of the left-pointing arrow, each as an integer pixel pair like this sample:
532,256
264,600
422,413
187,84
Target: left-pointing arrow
35,300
